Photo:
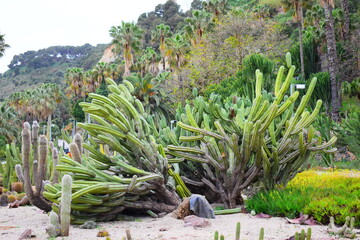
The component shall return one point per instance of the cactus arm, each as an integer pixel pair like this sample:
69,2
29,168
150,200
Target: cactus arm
278,80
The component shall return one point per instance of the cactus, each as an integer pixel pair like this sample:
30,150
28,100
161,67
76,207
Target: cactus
244,140
261,235
345,231
237,234
132,173
35,197
65,203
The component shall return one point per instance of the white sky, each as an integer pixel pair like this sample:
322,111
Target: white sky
37,24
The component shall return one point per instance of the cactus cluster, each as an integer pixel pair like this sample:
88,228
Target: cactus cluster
346,230
60,225
134,171
238,141
7,171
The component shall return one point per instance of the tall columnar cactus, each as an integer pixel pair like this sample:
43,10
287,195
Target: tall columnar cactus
35,195
55,155
65,205
34,139
240,141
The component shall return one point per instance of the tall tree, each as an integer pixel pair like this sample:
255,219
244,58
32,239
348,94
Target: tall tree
160,33
346,30
74,78
177,47
333,65
197,25
127,38
3,45
216,7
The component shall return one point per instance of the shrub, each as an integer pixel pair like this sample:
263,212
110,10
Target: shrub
319,194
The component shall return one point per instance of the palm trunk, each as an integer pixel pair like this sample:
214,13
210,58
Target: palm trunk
333,62
345,7
301,27
301,54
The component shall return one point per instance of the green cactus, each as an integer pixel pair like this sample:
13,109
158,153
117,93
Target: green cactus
237,234
65,203
345,231
118,123
243,140
261,235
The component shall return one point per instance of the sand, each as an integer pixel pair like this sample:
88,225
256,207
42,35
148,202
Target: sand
147,228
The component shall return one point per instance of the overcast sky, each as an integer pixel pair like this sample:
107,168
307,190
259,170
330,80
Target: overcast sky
37,24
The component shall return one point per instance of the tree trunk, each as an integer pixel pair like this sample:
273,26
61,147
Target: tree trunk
345,7
333,62
301,27
301,54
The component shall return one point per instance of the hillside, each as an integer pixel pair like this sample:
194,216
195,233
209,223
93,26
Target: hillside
48,65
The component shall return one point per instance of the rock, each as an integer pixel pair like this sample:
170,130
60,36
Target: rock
183,210
89,225
196,222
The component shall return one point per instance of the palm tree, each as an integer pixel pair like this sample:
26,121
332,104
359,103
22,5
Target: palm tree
149,61
161,32
197,25
216,7
333,65
3,45
127,38
9,123
345,7
74,78
177,47
44,101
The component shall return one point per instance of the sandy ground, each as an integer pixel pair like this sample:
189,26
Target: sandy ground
146,228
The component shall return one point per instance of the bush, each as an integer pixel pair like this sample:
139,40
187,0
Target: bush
319,194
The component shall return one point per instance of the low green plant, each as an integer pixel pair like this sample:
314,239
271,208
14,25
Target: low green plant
319,194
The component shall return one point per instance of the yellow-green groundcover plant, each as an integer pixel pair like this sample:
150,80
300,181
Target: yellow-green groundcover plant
321,194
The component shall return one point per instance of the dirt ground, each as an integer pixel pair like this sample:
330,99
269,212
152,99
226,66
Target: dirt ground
13,222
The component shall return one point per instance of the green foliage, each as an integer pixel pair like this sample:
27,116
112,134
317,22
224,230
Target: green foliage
77,112
283,203
222,52
339,204
3,45
310,57
322,90
349,132
320,195
243,84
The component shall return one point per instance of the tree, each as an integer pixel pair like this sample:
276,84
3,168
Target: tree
197,25
127,38
149,61
160,33
333,66
74,78
297,6
235,36
9,123
177,46
346,29
216,7
3,45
